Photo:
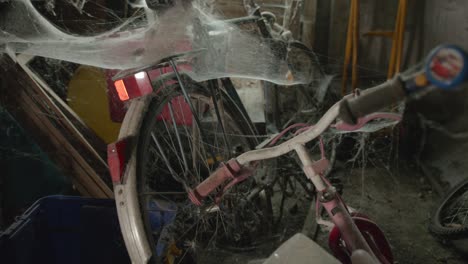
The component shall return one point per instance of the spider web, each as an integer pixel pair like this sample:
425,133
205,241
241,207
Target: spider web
148,36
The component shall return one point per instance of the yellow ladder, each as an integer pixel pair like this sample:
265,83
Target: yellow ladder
352,39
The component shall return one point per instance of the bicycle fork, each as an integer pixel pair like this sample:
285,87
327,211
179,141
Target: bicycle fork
333,204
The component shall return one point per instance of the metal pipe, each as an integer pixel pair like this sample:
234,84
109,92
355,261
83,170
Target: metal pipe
310,134
308,169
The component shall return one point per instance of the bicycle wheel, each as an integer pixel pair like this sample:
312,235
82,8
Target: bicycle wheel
450,220
175,152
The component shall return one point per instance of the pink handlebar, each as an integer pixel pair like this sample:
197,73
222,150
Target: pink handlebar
221,175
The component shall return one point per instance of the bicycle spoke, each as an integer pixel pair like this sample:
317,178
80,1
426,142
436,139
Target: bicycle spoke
187,99
464,217
170,144
189,136
182,152
218,115
174,174
458,212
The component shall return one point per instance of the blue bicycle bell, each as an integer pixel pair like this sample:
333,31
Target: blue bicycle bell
447,67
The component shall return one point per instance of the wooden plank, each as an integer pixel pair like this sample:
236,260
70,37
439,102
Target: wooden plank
69,131
51,99
23,60
63,151
31,110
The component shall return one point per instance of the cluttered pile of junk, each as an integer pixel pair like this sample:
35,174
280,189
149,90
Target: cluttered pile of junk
233,131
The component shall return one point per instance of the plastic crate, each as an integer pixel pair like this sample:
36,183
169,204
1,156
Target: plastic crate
65,229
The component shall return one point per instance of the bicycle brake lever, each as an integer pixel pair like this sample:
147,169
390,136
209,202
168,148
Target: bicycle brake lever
230,170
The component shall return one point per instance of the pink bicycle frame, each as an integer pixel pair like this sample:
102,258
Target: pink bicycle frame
333,204
236,170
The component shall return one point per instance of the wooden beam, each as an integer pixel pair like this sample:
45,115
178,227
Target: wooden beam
35,114
57,104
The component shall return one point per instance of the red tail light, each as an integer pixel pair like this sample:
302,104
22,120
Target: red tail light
121,90
133,86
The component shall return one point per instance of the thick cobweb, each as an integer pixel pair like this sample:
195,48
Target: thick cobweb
227,50
147,36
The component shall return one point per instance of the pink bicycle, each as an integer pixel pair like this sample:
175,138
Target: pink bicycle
351,232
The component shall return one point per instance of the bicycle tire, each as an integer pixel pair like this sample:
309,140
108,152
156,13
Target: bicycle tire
149,122
438,227
310,53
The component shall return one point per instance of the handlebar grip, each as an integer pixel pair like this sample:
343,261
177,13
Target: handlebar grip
372,100
216,179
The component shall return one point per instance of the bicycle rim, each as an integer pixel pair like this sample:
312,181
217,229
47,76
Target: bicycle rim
450,221
175,153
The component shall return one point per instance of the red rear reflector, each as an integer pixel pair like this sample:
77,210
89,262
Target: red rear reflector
116,159
143,83
121,90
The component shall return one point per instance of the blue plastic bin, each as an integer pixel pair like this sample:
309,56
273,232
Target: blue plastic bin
65,229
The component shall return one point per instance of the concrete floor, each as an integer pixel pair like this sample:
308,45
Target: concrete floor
401,203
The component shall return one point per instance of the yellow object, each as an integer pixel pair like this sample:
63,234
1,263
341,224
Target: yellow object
88,98
172,253
352,36
387,34
421,80
210,161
